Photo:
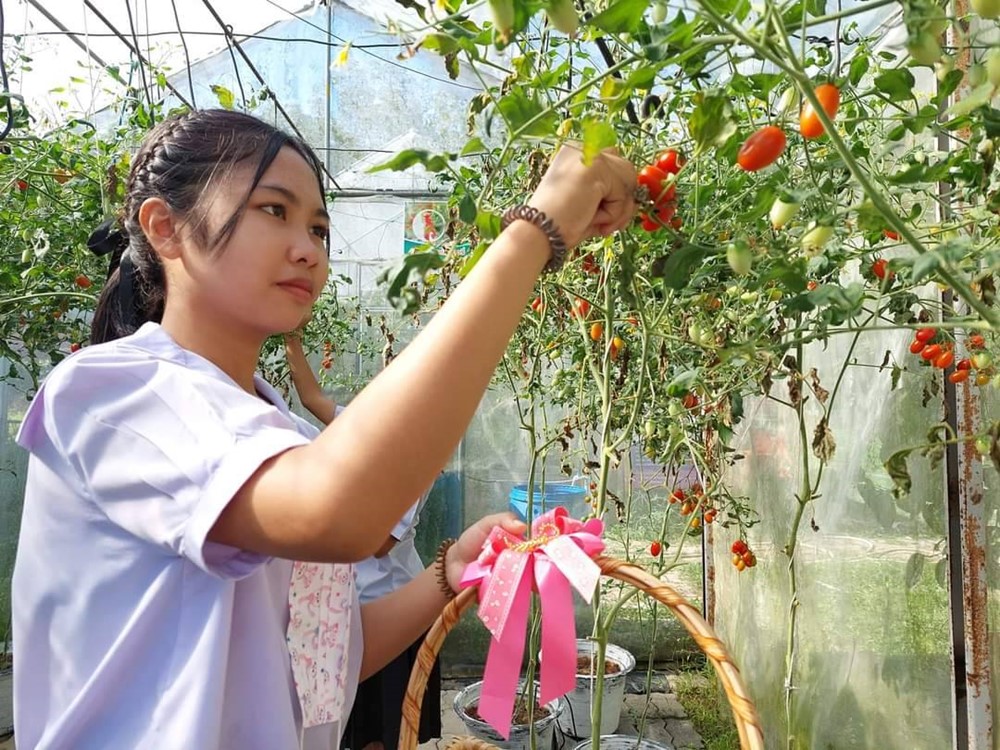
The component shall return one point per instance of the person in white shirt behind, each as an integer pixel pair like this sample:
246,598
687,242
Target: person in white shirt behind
375,720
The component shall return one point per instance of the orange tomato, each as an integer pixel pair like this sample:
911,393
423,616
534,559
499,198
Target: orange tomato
809,122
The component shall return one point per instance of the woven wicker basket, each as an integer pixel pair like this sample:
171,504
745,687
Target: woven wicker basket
744,712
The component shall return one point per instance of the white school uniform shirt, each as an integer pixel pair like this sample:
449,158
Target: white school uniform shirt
378,576
130,628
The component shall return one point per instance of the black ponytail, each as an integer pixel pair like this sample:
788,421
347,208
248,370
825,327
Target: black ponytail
178,162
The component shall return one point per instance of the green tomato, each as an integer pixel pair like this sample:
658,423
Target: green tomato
943,67
658,12
977,75
924,48
981,361
503,17
675,408
650,428
739,257
986,8
749,297
814,240
983,445
782,212
563,16
993,66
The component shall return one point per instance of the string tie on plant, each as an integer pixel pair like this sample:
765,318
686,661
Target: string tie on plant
558,555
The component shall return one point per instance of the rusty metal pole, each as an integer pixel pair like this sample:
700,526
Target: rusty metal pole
967,525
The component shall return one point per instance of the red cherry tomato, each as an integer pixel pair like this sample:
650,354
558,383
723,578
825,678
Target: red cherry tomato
655,548
959,376
581,307
917,346
890,234
926,334
74,347
964,364
944,361
809,122
82,281
670,161
932,352
762,148
976,341
881,269
652,178
739,547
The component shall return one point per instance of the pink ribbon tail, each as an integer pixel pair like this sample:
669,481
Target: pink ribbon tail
558,631
503,663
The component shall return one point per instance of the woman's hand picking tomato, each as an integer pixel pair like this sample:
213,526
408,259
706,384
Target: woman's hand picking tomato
762,148
652,178
809,123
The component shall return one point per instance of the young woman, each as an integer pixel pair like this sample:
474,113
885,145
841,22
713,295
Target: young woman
155,603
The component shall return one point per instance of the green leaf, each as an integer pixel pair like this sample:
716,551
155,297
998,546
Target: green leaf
676,269
521,112
411,157
899,473
224,95
914,570
949,85
897,373
859,66
897,84
443,44
467,209
712,121
623,17
488,224
681,385
978,97
598,135
472,146
473,259
411,269
924,265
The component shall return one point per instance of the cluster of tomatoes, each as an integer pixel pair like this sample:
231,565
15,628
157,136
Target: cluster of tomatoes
743,556
689,503
765,146
942,356
661,188
327,355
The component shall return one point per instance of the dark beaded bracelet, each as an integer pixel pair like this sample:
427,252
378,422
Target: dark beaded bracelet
532,215
439,568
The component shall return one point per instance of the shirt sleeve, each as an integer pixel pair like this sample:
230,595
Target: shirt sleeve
159,448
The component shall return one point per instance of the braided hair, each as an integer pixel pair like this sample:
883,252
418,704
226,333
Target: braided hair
179,162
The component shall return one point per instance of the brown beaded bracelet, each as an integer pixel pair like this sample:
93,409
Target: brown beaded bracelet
557,244
439,568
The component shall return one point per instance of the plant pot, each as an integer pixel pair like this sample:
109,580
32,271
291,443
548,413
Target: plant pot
624,742
520,734
575,720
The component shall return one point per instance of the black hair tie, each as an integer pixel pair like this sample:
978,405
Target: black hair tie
107,239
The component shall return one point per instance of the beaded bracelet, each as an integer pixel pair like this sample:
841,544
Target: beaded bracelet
532,215
439,568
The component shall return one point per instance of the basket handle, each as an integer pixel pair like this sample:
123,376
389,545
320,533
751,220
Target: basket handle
744,712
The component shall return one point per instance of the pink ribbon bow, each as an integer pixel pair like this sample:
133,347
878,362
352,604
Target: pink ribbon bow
508,569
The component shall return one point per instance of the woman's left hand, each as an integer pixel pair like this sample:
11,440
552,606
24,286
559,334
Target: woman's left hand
470,544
